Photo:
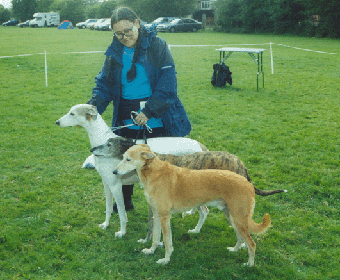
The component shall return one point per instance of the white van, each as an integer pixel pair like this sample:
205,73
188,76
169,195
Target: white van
45,19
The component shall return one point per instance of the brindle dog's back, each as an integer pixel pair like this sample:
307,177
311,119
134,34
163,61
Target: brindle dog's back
209,160
200,160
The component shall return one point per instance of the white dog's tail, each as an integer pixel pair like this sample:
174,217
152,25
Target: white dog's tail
260,228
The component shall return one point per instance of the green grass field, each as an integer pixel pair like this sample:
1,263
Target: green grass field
286,134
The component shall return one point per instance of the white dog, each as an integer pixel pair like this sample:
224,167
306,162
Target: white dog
87,116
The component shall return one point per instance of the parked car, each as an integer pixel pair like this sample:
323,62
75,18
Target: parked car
83,25
91,24
11,22
160,20
24,24
142,22
180,25
105,25
98,23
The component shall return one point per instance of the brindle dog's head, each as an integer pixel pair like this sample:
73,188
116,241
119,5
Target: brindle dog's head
114,147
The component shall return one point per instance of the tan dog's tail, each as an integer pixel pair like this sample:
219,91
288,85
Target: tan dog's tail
260,228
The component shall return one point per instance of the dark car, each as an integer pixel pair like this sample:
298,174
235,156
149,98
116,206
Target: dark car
180,25
24,24
11,22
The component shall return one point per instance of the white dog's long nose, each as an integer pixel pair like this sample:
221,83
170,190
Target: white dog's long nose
115,172
58,122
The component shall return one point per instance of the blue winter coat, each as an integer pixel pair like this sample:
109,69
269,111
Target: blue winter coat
160,68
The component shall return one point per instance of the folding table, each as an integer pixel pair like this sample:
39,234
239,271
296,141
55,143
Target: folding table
225,53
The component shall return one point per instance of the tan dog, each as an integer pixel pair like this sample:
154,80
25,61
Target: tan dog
170,189
116,147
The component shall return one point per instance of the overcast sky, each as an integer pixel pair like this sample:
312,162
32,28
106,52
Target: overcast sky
6,3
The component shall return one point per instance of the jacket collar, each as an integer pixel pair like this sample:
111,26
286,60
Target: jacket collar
148,34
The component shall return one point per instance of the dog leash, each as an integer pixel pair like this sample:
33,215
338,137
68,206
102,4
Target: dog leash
144,136
133,115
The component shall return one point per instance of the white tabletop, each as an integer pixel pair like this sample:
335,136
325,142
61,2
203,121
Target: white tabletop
241,50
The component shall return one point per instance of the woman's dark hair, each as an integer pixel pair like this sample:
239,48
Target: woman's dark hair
125,13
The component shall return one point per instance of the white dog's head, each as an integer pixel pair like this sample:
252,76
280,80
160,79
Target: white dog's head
134,158
78,115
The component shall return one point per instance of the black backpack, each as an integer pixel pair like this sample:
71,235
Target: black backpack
221,75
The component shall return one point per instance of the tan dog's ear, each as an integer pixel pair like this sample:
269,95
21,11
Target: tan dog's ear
91,114
147,155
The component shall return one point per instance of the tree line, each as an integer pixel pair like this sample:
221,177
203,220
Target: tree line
320,18
80,10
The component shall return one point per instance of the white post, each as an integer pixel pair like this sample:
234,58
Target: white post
271,58
46,69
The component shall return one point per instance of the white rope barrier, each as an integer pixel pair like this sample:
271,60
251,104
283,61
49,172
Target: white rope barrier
179,46
183,46
307,50
19,55
84,52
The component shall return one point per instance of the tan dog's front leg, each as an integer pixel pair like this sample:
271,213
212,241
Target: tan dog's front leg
156,237
167,238
149,234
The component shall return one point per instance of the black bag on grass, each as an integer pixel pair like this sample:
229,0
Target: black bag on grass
221,75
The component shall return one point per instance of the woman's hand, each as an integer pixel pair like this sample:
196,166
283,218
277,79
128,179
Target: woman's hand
141,119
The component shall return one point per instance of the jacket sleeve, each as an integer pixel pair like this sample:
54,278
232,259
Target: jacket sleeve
165,82
101,94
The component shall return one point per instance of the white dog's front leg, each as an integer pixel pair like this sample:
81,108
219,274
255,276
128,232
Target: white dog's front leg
109,206
118,196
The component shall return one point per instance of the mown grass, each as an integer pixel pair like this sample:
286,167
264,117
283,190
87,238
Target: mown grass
286,134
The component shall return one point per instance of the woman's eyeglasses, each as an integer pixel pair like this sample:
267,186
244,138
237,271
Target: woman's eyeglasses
126,33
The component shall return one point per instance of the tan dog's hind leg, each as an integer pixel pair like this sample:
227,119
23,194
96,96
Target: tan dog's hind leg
239,243
243,232
167,238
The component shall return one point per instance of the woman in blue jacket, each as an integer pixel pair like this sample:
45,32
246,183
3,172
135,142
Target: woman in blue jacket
139,75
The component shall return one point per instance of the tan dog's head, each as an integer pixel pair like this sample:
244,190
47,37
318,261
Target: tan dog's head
134,158
78,115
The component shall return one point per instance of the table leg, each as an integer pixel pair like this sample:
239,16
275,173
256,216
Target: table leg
258,71
262,69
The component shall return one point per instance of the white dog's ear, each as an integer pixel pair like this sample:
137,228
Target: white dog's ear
92,113
147,155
